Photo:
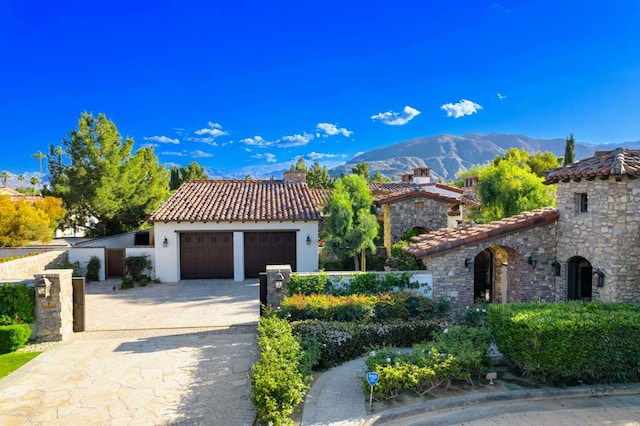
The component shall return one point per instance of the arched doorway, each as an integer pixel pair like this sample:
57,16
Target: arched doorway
579,275
483,277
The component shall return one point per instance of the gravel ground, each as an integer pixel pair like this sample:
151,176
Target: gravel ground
38,347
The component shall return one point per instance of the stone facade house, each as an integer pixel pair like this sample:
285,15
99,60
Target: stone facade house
583,249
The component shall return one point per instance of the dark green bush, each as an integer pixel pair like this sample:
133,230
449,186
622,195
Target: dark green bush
93,269
18,302
570,342
277,379
344,341
13,337
404,261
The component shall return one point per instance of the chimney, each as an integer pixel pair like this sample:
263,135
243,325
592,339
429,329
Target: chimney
407,177
470,188
422,175
297,176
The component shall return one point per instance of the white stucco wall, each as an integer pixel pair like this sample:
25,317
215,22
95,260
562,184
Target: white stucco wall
84,254
167,259
143,251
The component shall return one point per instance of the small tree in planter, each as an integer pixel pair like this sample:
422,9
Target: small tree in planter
93,269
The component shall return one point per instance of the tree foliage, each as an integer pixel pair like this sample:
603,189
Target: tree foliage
97,175
569,150
512,183
22,221
362,169
380,178
350,227
193,171
317,175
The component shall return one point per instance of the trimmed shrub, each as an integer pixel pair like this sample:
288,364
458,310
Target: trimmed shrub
277,379
570,342
93,269
13,337
18,302
308,284
344,341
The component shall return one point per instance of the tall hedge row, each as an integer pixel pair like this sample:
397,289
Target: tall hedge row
564,343
18,302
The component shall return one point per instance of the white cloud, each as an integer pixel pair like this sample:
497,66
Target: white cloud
460,109
175,153
200,154
271,158
294,140
392,118
208,140
321,156
161,139
332,130
501,96
256,141
214,130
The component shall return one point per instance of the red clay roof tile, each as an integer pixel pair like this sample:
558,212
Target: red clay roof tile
619,162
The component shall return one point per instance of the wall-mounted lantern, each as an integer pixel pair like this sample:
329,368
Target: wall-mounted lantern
468,263
533,260
557,268
279,280
598,275
165,242
43,287
308,239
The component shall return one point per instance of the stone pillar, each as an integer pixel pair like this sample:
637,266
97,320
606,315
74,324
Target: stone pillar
274,294
54,311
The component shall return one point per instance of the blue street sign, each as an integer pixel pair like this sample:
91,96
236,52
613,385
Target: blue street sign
372,378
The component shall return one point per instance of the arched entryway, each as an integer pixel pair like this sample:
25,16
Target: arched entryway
579,276
483,277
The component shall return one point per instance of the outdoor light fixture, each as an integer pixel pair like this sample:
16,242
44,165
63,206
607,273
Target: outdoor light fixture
533,260
598,274
468,263
556,268
308,239
42,287
165,242
279,280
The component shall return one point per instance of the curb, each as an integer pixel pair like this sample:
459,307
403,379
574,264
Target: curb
486,398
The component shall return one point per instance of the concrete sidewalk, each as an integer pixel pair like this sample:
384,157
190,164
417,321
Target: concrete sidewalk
177,353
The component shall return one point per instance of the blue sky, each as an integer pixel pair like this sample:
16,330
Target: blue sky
247,83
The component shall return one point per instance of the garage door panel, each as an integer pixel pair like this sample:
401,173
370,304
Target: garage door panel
268,248
206,255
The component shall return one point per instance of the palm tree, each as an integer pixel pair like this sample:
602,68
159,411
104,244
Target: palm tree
4,175
40,156
34,181
21,178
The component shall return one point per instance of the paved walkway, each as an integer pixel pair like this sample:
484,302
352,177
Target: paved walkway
149,363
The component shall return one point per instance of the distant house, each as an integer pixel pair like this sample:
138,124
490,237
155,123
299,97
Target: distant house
585,249
17,195
234,228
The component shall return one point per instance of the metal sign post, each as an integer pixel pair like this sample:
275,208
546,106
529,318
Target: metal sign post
372,378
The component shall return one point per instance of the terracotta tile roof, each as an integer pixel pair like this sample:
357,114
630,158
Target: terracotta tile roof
619,162
425,193
321,196
470,233
379,190
238,200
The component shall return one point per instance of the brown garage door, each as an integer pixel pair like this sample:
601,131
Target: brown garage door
206,255
268,248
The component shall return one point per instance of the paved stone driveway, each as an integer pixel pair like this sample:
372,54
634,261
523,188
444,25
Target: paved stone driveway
177,353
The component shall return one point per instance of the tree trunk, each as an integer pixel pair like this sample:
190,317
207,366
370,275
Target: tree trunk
363,260
356,263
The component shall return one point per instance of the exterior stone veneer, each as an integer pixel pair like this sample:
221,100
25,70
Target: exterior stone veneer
453,281
402,215
54,313
607,234
25,267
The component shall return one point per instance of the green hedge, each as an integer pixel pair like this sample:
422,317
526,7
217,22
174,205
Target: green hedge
359,283
344,341
13,337
18,302
278,378
360,308
570,342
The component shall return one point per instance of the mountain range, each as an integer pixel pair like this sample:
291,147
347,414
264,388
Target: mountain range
444,154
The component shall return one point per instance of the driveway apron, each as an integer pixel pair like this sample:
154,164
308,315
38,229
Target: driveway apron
176,353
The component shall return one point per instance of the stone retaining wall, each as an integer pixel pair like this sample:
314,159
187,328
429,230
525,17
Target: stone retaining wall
25,267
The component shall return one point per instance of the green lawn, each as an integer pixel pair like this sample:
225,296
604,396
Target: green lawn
12,361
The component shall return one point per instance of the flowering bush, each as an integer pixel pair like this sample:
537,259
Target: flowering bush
342,341
475,316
